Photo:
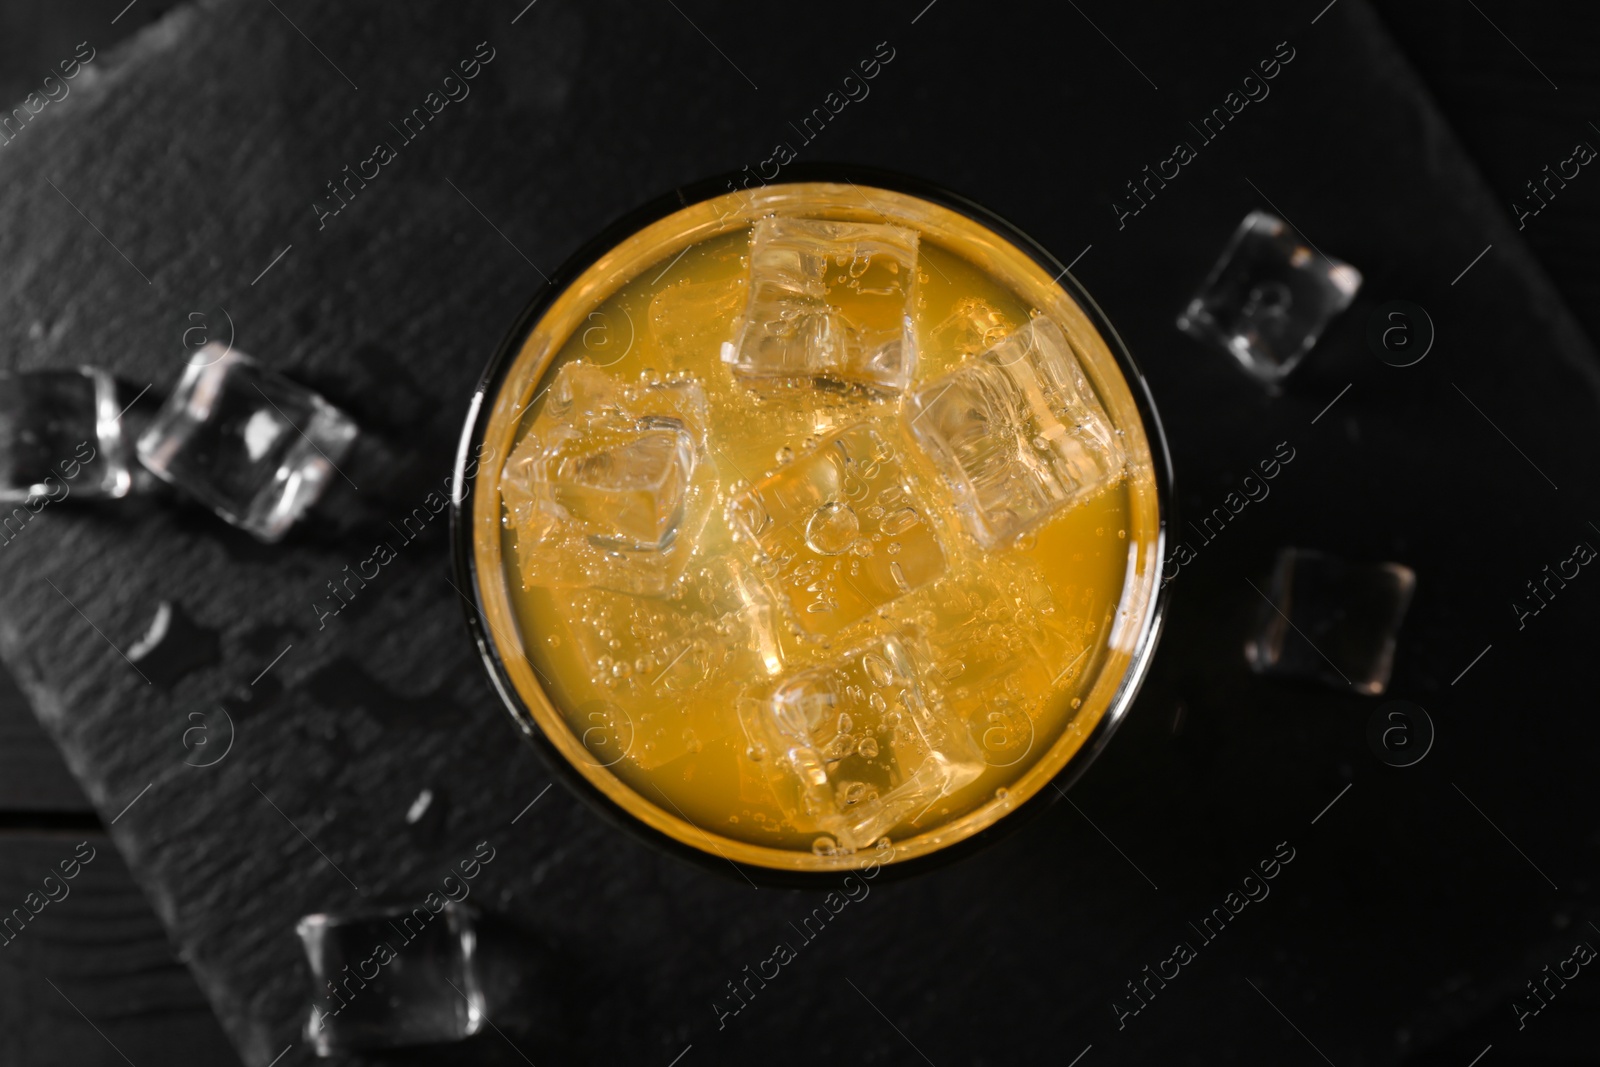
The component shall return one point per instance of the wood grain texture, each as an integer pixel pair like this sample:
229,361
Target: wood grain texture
200,159
33,777
90,979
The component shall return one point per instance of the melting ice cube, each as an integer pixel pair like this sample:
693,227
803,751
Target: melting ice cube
608,488
1328,620
422,988
854,745
1017,433
60,434
255,447
629,495
1269,297
839,530
830,300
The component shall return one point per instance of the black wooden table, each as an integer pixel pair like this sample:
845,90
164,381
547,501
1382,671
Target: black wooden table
1420,900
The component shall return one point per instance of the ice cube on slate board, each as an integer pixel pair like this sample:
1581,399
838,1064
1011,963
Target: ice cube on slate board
255,447
1269,297
829,300
855,747
1017,433
392,978
838,531
61,435
1331,621
609,488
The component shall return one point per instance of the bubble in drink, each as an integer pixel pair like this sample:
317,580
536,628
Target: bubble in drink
973,327
648,657
690,321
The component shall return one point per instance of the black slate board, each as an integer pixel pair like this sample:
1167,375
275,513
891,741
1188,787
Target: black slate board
1405,917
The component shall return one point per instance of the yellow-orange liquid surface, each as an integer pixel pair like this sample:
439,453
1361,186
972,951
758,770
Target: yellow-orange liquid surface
1017,649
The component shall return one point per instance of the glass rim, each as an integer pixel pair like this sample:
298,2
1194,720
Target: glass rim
466,568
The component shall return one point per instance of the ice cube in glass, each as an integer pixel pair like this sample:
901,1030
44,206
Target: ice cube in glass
839,531
829,300
855,746
1017,433
608,488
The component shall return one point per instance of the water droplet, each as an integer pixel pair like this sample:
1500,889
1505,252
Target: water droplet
824,846
894,548
1122,535
869,745
785,454
554,641
832,528
1002,794
879,705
